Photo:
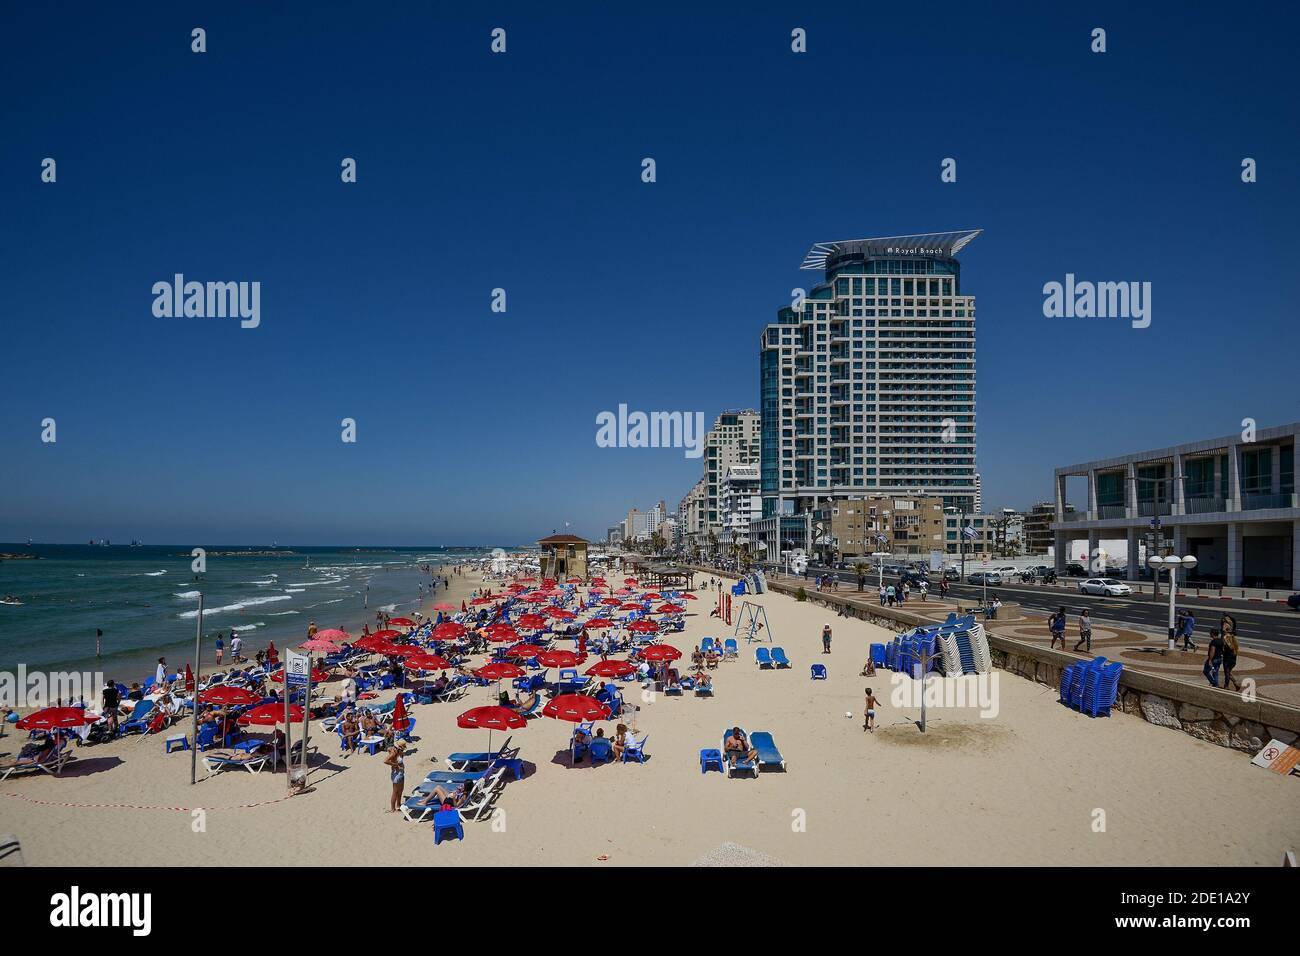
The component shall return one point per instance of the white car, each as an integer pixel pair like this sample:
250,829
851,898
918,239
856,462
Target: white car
1109,587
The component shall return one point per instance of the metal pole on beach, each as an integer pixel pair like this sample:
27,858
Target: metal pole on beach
306,716
198,647
288,729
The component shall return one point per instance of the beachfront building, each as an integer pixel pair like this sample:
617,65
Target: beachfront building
563,556
910,525
733,441
868,383
1229,501
979,545
739,502
690,517
1037,536
779,539
614,536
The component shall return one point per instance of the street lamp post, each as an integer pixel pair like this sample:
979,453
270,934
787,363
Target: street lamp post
880,565
1173,563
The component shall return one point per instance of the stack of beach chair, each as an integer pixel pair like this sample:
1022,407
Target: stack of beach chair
1091,687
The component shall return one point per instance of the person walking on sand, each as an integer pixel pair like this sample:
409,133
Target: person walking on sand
869,712
826,639
397,762
221,647
1056,627
1085,631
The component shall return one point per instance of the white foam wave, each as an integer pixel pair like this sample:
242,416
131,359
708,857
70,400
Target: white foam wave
188,594
153,574
245,603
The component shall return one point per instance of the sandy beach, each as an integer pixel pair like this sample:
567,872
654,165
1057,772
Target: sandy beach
1028,786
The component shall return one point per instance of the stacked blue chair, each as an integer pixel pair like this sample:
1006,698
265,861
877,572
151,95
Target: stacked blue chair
1066,675
1106,690
967,655
878,654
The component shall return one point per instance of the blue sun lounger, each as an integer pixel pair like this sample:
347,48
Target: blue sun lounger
762,657
462,761
779,658
768,755
743,763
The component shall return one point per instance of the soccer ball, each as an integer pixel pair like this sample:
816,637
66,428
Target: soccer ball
848,713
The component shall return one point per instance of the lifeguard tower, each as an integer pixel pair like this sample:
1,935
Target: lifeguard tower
564,556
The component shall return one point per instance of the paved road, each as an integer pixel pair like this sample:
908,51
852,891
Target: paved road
1273,627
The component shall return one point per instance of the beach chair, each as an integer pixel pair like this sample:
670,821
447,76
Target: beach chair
818,672
480,801
447,821
743,763
139,720
730,648
706,645
463,761
601,750
763,658
768,755
252,761
878,654
779,658
406,733
1067,674
702,690
51,763
634,749
1107,690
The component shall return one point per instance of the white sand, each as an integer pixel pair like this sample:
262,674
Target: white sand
1022,788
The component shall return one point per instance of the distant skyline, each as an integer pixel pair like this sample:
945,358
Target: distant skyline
522,171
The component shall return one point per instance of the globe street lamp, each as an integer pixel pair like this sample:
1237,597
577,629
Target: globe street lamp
1172,563
880,564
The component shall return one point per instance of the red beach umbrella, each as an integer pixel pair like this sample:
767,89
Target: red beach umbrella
688,597
651,596
448,631
598,581
558,659
320,646
643,626
228,696
598,623
531,622
399,713
332,634
576,708
478,601
560,614
268,715
524,650
629,581
386,633
422,661
661,652
669,609
611,602
612,669
499,670
189,679
55,718
500,633
629,606
548,582
443,606
401,621
491,717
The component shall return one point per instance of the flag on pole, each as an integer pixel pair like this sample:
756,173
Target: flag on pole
969,533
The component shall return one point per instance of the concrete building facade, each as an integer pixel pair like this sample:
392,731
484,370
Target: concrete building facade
1230,501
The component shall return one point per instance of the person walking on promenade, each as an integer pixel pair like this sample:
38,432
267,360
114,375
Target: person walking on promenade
1230,648
943,589
1189,631
1085,631
1056,627
1213,658
882,595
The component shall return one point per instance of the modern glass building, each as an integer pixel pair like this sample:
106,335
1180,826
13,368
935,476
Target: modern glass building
868,384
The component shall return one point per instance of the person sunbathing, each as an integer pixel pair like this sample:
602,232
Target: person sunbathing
525,702
697,656
350,731
35,752
711,659
703,681
737,747
620,741
447,798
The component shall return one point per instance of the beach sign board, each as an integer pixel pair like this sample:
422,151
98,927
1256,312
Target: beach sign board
297,667
1278,757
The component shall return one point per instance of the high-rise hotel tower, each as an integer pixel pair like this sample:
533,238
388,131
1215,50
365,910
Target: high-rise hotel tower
868,384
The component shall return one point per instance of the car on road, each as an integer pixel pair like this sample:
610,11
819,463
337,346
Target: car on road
984,577
1075,570
951,574
1108,587
1294,602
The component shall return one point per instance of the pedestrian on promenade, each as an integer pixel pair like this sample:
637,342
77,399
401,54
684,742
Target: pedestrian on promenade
1056,627
882,595
1189,631
1213,658
1085,631
1230,648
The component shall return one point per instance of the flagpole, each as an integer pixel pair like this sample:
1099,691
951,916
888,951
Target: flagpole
198,646
288,728
306,715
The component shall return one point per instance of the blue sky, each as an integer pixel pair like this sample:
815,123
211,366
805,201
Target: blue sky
522,171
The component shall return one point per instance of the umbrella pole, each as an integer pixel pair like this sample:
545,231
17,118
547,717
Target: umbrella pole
198,646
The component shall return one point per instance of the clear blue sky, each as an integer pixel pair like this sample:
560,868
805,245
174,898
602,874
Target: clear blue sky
523,171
